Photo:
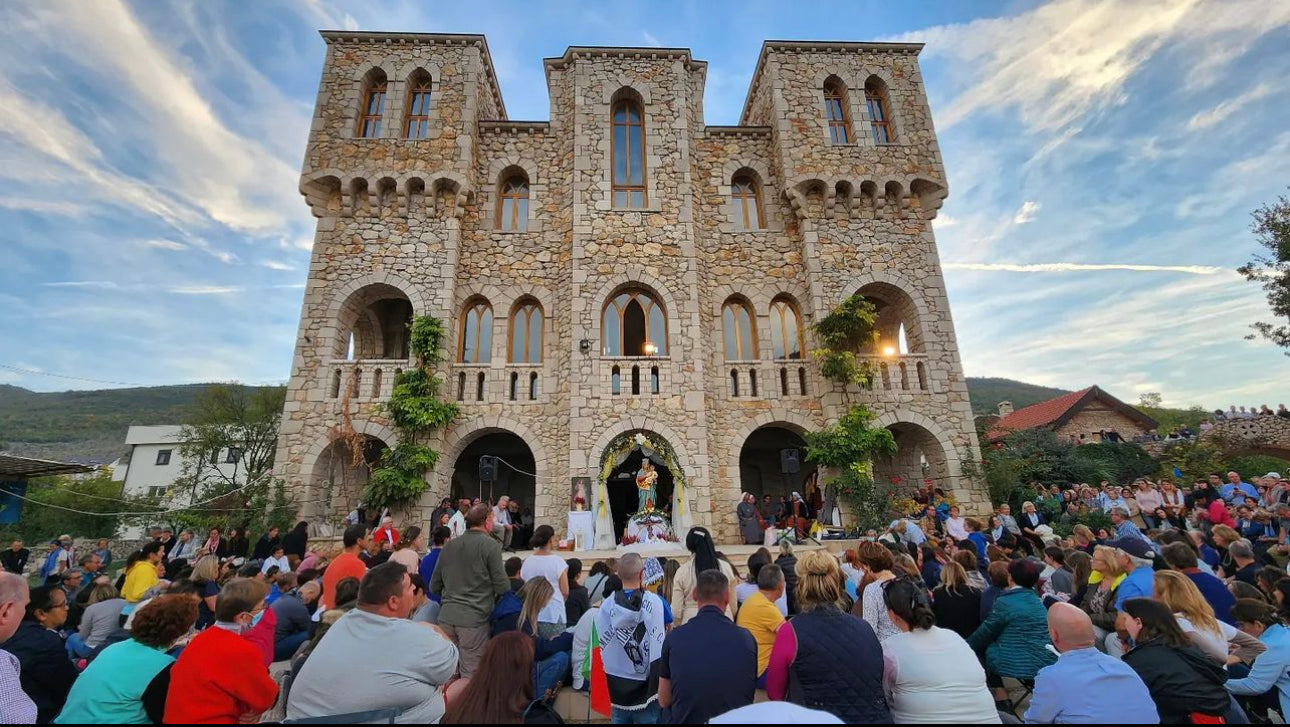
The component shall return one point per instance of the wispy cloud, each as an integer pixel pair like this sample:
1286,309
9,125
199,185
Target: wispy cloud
163,244
1026,213
44,206
650,40
277,265
1087,267
207,290
1206,119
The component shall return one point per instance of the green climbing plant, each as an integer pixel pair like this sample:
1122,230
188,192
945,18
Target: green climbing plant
849,448
416,409
844,331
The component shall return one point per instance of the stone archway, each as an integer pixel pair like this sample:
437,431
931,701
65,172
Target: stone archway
920,456
516,475
341,471
615,455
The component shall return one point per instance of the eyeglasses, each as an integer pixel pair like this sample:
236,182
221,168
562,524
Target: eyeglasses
64,604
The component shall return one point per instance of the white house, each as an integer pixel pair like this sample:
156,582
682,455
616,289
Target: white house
153,462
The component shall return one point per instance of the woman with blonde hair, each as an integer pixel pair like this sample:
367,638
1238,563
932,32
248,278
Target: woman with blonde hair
550,656
956,604
1222,642
1099,600
824,658
1223,536
206,575
1084,539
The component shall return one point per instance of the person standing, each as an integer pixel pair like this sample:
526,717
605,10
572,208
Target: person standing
708,665
761,617
1108,692
220,676
375,658
15,706
749,524
14,560
267,543
469,578
346,565
296,543
632,624
457,523
703,556
503,526
544,564
438,538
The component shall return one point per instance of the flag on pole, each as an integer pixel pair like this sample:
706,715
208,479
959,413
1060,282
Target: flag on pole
593,671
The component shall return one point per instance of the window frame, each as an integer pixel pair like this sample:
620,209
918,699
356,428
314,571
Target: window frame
876,96
642,296
163,457
777,318
742,198
625,187
735,306
418,84
527,307
835,96
234,455
370,89
519,222
483,354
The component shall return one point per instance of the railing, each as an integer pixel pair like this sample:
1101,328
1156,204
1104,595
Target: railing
779,379
506,383
363,379
634,376
899,373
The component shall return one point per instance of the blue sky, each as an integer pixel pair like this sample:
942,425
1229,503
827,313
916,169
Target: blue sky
1103,159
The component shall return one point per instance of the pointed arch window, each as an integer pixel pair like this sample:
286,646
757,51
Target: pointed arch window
373,108
416,124
513,204
875,97
747,198
737,328
634,324
526,333
627,152
835,106
786,340
476,333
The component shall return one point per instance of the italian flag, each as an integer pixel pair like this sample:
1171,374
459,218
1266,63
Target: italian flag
593,671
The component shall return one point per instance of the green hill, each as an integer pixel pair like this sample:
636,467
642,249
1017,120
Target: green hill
90,426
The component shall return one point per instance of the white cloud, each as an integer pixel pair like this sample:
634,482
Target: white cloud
101,284
1206,119
206,290
1086,267
162,244
1026,213
277,265
44,206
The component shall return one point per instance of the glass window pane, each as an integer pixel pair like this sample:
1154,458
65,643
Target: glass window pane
635,156
535,336
610,332
468,337
505,215
658,330
745,335
522,213
777,331
620,199
633,114
517,338
620,113
728,329
620,154
486,336
637,199
793,332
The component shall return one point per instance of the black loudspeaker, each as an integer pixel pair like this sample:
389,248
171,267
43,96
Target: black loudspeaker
487,468
789,461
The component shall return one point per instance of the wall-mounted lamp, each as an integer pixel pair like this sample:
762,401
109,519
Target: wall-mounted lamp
650,349
585,345
889,351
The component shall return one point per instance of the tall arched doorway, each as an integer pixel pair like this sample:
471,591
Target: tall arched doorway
342,471
766,461
919,458
624,497
516,470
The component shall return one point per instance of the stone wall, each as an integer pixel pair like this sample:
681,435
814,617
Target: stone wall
1097,417
419,218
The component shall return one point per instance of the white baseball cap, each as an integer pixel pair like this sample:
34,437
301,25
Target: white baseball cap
1273,475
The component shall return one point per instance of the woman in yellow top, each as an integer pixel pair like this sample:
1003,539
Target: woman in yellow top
141,572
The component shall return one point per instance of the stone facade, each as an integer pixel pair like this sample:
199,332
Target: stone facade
410,227
1098,417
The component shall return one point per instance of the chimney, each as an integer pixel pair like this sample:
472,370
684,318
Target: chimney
1005,408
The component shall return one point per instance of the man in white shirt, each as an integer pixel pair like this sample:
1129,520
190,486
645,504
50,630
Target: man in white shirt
457,523
279,559
503,528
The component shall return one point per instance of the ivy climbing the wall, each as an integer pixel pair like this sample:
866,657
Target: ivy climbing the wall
844,331
417,410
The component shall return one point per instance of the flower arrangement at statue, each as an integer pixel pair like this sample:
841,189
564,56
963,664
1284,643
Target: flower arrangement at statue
650,525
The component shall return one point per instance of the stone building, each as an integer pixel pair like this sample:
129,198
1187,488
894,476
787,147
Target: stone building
621,267
1084,416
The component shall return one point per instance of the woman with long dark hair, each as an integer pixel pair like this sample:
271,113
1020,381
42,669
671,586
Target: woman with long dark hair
703,556
500,692
932,676
1183,681
295,543
551,567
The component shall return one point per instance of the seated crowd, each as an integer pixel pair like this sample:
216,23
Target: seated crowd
1173,614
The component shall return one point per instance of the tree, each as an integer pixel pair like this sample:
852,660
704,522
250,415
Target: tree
40,522
843,332
1271,227
849,448
1150,400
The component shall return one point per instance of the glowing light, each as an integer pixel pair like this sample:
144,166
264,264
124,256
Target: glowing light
889,351
650,349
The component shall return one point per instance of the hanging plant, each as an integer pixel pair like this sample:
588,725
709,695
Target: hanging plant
845,330
416,409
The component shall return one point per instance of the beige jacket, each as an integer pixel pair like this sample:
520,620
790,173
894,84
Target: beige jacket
683,606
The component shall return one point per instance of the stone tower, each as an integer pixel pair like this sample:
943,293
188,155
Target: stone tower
621,268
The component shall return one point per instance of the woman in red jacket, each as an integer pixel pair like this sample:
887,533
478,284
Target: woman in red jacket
220,677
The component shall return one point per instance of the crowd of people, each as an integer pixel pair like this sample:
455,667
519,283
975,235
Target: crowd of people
1174,614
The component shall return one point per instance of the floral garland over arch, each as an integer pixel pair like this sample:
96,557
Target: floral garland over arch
654,447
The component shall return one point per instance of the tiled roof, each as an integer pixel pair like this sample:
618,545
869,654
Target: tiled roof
1038,415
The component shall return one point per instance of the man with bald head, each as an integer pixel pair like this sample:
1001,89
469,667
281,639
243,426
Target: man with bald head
1086,686
15,706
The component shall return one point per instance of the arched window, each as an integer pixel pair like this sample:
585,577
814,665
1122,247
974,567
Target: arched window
627,145
747,199
526,333
373,108
785,330
835,106
737,327
513,204
416,124
634,324
476,332
875,97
